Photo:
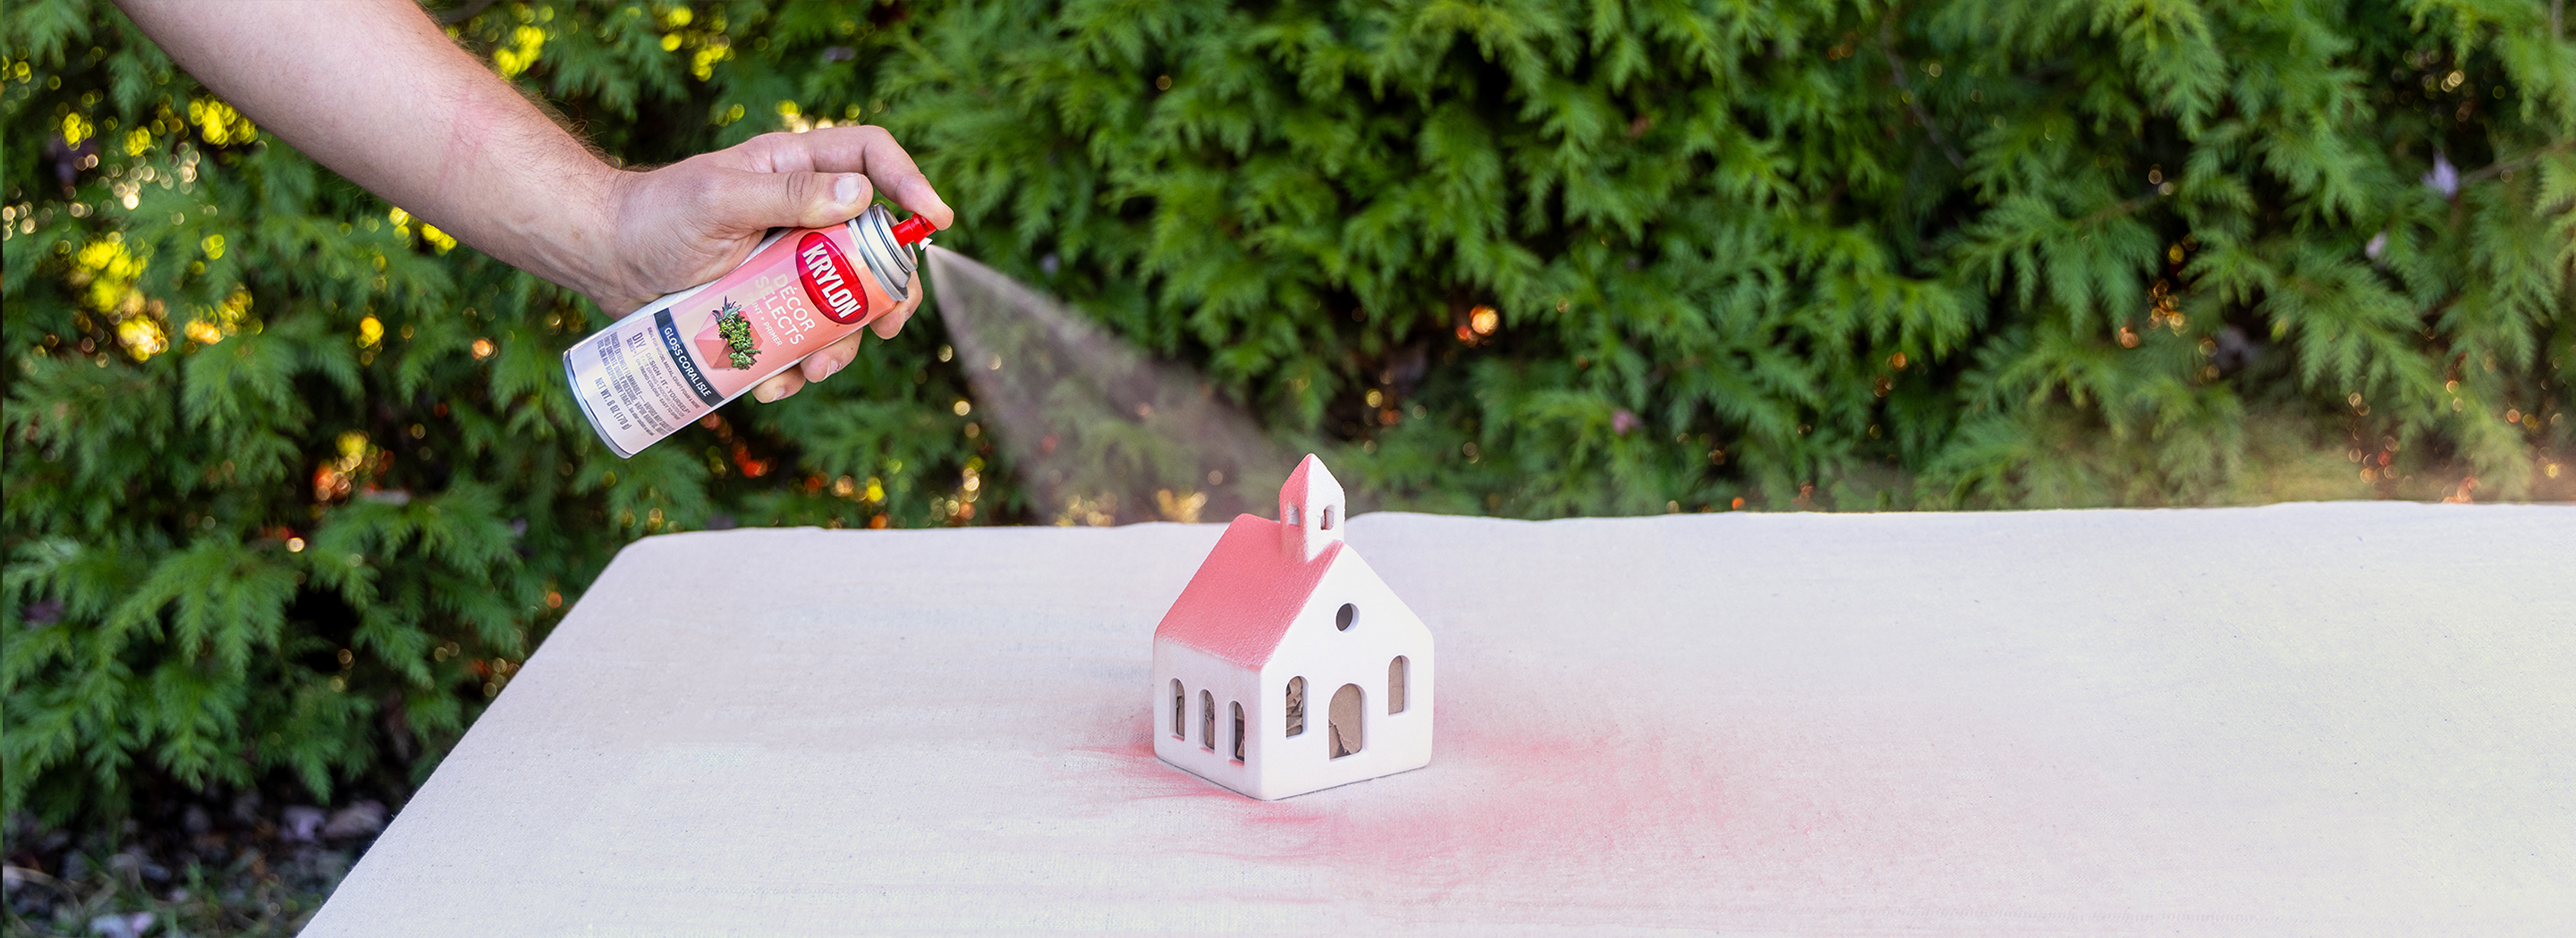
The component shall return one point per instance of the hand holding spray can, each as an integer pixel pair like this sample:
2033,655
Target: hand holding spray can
682,356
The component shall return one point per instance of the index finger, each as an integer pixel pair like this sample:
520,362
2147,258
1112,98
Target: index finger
869,150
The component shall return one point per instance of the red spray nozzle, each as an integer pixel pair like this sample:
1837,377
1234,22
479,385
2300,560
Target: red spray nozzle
912,230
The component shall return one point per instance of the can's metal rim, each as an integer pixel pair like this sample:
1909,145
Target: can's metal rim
891,261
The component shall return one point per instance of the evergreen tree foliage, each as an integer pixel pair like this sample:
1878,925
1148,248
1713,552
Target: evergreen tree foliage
1547,258
293,483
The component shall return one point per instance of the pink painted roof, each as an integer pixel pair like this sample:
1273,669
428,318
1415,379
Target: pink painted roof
1245,594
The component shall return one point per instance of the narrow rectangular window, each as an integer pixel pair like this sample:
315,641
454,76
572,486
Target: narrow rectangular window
1180,711
1296,705
1395,684
1238,730
1207,720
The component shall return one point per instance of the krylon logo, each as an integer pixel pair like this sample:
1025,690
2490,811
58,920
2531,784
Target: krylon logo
829,281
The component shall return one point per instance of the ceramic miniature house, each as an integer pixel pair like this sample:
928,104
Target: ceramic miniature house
1287,666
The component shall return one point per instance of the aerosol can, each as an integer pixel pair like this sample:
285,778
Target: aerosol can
686,354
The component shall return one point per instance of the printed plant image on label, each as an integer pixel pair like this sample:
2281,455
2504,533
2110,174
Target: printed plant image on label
727,340
737,334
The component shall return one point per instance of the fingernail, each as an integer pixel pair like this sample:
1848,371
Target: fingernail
834,367
764,393
846,189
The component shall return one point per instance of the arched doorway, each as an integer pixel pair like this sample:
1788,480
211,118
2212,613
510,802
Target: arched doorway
1346,721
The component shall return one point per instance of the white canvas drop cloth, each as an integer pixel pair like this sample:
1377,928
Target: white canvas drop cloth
2312,719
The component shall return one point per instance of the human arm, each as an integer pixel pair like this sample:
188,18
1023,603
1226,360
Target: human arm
376,91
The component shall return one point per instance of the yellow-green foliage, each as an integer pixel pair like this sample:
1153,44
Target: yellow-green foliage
294,483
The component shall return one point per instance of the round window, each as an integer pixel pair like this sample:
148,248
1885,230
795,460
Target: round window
1342,620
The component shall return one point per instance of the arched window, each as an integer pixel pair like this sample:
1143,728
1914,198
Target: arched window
1296,706
1329,512
1180,711
1238,729
1395,684
1207,720
1346,721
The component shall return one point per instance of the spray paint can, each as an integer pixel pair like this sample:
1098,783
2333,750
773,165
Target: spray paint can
682,356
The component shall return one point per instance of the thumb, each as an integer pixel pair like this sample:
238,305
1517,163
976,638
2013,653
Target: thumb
757,201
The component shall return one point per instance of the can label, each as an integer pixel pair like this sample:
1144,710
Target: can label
682,356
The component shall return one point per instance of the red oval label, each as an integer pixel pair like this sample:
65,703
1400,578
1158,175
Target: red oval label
829,280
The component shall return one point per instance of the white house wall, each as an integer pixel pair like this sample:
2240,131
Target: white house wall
1226,682
1329,658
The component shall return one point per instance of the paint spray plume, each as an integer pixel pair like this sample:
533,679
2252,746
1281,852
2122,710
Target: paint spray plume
1100,433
